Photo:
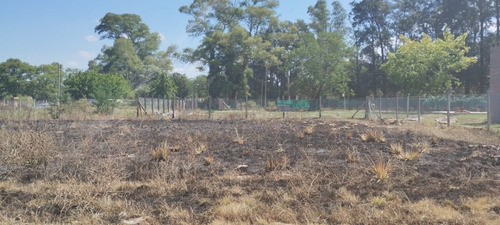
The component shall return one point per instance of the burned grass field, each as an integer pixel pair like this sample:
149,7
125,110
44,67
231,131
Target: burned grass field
309,171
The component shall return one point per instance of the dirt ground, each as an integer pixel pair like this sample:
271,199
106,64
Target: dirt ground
283,171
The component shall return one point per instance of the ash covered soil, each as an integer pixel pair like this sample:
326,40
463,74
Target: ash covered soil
211,157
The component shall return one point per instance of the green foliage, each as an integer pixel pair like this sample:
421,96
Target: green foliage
163,86
200,86
321,60
456,103
15,77
428,66
109,88
82,84
183,85
134,52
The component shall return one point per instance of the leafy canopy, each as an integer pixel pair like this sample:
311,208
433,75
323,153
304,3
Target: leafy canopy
428,66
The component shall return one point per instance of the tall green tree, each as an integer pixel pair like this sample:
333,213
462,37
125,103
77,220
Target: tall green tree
230,31
200,86
82,84
321,61
129,26
122,59
183,85
108,89
163,86
15,77
372,34
428,66
45,83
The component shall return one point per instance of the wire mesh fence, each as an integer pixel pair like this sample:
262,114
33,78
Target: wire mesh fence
393,107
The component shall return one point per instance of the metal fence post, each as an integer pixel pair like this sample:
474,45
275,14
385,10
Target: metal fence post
408,106
419,108
448,96
488,110
397,107
380,107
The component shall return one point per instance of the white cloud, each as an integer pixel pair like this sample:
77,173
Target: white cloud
86,55
72,64
191,70
91,38
162,37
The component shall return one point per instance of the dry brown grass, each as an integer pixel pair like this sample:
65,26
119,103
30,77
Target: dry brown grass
209,160
349,134
276,163
309,130
373,136
409,155
238,139
434,140
104,174
381,169
396,148
162,152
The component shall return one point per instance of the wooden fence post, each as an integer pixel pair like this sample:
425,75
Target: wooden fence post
320,106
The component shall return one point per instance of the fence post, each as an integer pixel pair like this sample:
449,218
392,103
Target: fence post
419,108
343,95
408,106
488,110
397,107
368,108
137,105
320,106
283,99
448,96
380,106
173,108
152,105
209,107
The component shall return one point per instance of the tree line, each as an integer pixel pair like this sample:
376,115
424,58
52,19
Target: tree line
380,47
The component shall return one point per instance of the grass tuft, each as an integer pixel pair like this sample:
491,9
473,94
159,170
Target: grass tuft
276,163
396,148
239,139
373,136
381,169
162,152
309,130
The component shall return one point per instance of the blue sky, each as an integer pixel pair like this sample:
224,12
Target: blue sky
45,31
